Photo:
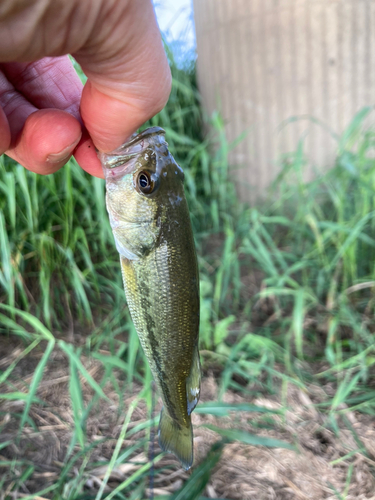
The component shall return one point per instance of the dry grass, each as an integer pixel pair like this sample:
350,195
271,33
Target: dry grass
324,461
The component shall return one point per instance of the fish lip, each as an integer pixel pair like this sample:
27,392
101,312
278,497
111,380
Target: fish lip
131,149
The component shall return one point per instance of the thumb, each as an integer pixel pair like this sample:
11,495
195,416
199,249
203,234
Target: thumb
112,117
129,79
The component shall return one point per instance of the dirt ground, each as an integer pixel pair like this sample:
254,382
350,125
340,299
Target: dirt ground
325,465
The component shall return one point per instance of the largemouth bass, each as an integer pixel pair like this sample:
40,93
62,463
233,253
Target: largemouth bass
151,225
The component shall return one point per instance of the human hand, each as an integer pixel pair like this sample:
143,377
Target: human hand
42,105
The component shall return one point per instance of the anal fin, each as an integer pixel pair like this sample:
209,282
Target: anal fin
193,382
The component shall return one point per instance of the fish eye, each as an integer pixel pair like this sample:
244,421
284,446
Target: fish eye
144,182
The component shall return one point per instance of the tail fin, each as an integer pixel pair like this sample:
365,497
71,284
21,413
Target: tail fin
176,439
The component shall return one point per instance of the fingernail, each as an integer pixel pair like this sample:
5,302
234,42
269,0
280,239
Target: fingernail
64,155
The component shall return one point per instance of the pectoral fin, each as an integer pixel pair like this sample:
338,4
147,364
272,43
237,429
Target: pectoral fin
193,383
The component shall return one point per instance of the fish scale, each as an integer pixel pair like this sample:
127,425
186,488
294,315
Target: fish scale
152,229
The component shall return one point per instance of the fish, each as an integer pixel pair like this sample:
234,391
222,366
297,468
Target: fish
151,225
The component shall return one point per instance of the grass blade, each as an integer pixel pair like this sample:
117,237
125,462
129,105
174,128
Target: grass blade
247,438
200,476
36,381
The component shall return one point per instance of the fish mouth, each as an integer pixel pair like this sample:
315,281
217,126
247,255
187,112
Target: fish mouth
121,161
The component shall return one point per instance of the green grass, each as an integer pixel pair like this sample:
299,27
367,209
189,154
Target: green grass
309,251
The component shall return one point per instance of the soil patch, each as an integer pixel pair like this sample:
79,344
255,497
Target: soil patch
327,462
